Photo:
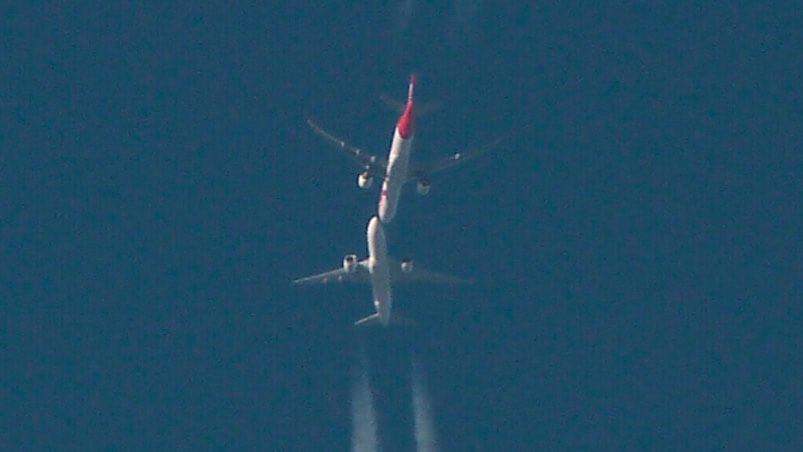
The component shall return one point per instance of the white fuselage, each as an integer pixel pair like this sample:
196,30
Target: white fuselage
396,176
379,269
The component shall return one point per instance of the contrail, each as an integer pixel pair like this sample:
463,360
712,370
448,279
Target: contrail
364,425
425,438
366,428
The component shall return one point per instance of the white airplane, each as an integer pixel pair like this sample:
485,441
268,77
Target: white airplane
397,168
380,271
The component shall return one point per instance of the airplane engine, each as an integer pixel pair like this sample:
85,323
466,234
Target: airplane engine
422,187
407,265
350,263
364,180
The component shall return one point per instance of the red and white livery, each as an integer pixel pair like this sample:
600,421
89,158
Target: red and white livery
398,159
398,168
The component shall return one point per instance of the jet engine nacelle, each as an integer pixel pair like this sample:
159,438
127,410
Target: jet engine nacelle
422,187
364,180
407,265
350,263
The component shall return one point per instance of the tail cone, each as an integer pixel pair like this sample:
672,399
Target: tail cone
405,124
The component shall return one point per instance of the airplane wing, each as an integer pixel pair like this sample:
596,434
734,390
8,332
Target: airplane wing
417,274
375,165
423,171
360,275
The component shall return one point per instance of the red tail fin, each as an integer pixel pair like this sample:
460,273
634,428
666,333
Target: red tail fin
405,124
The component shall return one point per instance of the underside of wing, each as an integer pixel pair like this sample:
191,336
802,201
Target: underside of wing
373,164
422,172
358,274
395,320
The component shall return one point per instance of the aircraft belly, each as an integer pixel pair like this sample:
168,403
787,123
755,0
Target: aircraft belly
377,245
380,283
399,157
378,268
394,179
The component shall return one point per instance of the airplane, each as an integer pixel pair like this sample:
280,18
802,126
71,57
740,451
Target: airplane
397,168
381,272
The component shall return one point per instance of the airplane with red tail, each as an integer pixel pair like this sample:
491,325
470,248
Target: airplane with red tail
398,169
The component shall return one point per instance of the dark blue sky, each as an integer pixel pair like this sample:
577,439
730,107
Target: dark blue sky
635,244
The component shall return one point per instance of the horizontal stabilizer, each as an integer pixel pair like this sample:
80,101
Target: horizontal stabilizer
421,108
371,320
393,104
395,320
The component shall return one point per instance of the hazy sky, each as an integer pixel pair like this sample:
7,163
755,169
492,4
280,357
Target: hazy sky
635,244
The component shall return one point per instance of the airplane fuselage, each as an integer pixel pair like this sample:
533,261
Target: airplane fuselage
398,162
379,269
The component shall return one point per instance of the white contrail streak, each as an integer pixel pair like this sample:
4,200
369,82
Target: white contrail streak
425,438
363,416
